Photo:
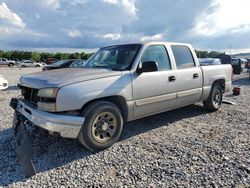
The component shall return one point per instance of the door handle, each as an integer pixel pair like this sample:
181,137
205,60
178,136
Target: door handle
171,78
196,75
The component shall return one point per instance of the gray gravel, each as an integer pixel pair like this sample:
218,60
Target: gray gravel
187,147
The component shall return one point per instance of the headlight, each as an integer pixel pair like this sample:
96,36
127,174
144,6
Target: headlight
47,92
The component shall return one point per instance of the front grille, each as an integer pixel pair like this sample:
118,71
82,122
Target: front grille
30,95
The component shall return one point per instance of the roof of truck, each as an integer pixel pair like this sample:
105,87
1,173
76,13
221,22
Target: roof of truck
150,42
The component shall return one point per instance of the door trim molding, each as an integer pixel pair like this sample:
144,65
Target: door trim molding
155,99
189,92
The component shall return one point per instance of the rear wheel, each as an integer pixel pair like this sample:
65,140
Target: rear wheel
37,65
102,126
214,100
23,66
11,65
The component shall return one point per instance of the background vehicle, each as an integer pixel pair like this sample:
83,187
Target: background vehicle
29,63
69,63
4,61
225,59
50,61
3,83
118,84
247,65
236,64
209,61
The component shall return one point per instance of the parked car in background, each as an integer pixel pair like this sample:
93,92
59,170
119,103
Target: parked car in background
3,83
50,61
29,63
4,61
247,65
69,63
209,61
236,64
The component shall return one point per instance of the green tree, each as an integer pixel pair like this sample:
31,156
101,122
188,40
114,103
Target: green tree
213,54
35,56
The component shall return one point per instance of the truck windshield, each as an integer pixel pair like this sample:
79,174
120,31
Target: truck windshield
118,57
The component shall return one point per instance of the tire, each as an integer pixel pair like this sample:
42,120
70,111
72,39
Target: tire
38,66
11,65
214,101
102,126
23,66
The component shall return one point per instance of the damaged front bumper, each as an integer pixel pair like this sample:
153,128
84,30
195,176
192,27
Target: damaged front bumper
66,126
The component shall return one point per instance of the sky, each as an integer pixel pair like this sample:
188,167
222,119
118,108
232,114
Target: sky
86,25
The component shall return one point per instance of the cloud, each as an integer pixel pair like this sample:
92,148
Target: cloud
227,16
7,16
54,4
127,5
158,36
112,36
74,33
111,1
95,23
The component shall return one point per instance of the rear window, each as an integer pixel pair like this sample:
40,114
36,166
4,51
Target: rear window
183,57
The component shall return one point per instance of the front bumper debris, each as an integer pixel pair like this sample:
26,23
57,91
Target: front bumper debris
66,126
24,148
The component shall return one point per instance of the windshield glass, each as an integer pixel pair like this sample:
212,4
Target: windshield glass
114,57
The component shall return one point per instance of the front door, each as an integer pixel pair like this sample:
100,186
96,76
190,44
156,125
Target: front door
154,91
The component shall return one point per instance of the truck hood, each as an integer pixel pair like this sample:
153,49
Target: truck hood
61,77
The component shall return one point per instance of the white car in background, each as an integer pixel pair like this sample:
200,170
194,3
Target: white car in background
3,83
4,61
29,63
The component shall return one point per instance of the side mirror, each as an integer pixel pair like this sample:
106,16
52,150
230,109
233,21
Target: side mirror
148,66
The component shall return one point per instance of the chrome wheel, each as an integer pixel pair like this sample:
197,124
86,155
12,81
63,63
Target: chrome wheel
104,127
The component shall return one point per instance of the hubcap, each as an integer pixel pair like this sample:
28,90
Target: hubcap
217,97
104,127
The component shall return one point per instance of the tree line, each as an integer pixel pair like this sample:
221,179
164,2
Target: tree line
41,56
207,54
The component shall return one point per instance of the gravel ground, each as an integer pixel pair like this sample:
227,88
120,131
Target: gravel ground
187,147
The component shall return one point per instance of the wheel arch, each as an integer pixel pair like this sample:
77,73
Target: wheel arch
117,100
221,82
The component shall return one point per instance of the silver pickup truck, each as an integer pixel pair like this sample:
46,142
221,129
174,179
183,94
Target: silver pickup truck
118,84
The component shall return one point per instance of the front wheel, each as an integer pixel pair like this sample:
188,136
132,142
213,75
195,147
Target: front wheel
214,101
102,126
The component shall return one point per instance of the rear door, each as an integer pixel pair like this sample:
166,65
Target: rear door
154,91
189,76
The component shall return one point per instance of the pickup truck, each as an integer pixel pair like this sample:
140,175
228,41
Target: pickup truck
4,61
118,84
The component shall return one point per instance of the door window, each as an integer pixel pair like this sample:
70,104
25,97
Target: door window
158,54
183,57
